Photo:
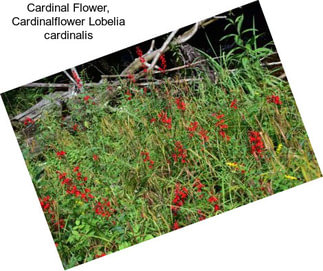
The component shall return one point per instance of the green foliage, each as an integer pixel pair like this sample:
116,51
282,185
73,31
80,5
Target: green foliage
110,139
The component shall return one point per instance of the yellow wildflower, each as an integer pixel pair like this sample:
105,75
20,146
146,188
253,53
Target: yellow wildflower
279,148
290,177
235,165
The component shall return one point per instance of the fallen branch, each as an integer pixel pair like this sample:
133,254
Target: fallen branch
47,102
190,65
57,85
161,82
155,54
162,50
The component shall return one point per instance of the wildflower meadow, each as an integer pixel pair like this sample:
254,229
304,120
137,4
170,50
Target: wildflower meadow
156,158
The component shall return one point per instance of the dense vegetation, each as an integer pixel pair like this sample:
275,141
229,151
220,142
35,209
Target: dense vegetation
163,157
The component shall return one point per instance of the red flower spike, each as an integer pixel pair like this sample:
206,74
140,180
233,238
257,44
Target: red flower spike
79,175
146,158
104,210
179,152
257,145
176,225
77,79
203,135
163,65
129,94
181,194
131,78
274,99
193,126
180,104
212,199
62,175
87,98
139,51
165,119
216,208
222,126
197,184
234,104
60,154
219,116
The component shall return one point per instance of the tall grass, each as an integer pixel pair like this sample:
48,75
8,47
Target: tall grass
110,139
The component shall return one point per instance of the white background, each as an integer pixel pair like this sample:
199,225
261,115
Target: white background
282,232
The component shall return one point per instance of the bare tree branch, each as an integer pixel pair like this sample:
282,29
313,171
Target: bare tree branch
162,50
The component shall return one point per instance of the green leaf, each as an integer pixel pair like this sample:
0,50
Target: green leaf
86,124
240,21
124,245
148,237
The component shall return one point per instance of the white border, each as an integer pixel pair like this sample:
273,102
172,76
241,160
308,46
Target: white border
282,232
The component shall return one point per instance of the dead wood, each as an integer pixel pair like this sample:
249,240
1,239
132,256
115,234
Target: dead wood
152,55
49,101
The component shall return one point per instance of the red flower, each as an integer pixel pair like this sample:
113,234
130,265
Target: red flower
77,79
146,158
132,78
218,116
95,157
75,127
164,119
139,51
151,163
216,208
76,169
100,255
61,175
104,208
67,181
212,199
219,123
87,98
203,135
141,58
202,216
60,224
60,154
180,152
153,120
176,225
181,194
192,128
257,145
222,126
163,63
234,104
28,121
197,183
129,94
274,99
180,104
